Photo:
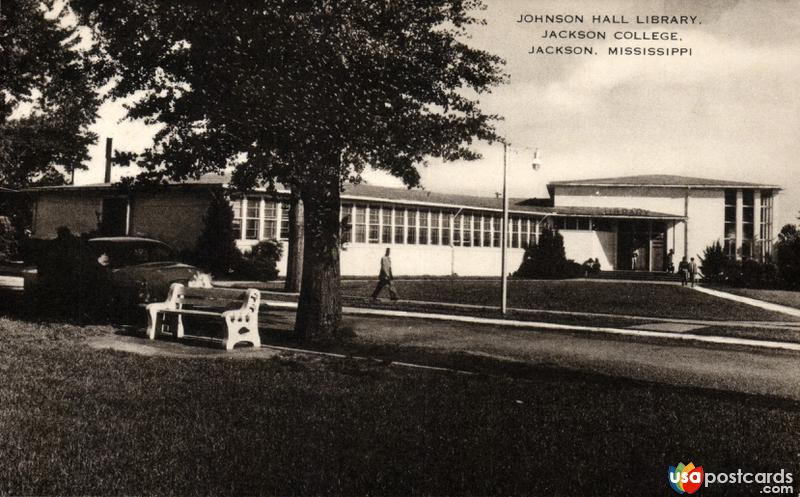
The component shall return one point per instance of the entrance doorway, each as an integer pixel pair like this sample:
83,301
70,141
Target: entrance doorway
641,245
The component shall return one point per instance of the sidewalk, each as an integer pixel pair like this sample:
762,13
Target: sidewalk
767,306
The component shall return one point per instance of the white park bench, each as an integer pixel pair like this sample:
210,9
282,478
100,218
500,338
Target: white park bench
236,312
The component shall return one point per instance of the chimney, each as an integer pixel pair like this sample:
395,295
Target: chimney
107,178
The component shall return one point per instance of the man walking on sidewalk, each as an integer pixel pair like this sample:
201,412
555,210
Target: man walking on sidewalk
692,271
683,269
385,277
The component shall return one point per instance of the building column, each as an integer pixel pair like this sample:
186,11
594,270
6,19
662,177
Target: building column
739,219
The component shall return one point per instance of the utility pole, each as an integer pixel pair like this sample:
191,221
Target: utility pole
504,232
504,235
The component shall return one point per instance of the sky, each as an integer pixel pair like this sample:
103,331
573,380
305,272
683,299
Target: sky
729,111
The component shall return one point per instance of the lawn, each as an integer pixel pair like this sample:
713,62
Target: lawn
75,420
637,299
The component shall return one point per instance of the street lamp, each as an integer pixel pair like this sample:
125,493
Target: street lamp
535,164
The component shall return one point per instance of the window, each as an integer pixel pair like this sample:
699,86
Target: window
424,230
765,229
557,223
285,206
435,227
748,230
513,228
485,227
730,223
446,221
411,234
457,230
399,225
236,205
251,219
360,223
347,223
468,222
386,229
497,226
374,226
270,220
602,225
525,234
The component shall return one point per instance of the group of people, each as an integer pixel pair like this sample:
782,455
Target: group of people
686,269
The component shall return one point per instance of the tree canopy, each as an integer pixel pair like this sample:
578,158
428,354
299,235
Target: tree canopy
307,93
48,95
276,86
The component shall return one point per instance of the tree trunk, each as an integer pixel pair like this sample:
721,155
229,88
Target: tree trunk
319,312
294,261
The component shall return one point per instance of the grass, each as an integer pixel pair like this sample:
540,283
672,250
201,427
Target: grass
637,299
74,420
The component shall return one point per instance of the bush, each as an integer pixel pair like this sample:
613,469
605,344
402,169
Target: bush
216,250
718,268
261,263
713,264
547,259
787,256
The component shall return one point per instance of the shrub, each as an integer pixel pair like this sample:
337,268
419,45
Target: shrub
547,259
261,263
216,250
713,264
787,256
721,269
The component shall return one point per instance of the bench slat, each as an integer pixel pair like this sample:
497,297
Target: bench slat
192,312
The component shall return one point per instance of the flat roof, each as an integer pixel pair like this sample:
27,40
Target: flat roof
418,197
663,181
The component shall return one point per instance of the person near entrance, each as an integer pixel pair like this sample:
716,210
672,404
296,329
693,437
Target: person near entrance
684,269
385,277
670,264
692,270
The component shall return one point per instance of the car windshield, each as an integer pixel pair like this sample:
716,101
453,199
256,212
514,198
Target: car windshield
130,253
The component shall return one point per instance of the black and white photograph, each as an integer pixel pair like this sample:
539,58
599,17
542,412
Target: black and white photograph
399,247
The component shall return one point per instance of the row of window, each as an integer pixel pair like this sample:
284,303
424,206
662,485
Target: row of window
581,224
372,223
750,247
258,219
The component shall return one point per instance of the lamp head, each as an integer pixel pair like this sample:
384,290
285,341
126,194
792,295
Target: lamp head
537,161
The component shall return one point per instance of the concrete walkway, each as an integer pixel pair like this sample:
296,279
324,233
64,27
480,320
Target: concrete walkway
265,294
768,306
546,326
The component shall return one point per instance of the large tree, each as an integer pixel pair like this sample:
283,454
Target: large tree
47,93
306,93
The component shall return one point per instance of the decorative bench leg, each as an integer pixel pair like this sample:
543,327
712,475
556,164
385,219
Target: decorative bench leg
241,327
178,326
155,320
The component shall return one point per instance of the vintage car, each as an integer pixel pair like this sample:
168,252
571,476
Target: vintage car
126,271
141,269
